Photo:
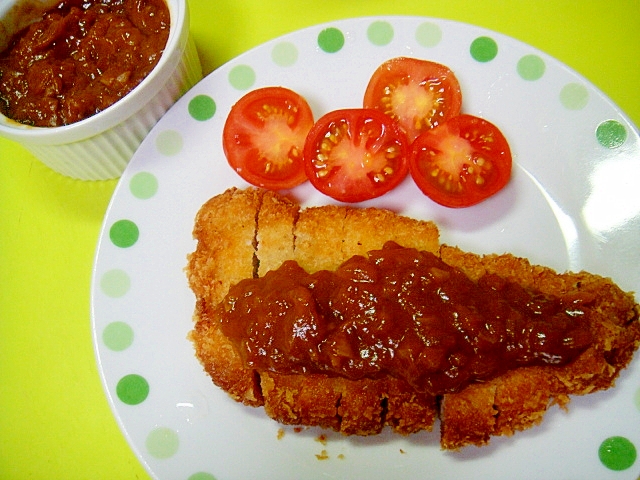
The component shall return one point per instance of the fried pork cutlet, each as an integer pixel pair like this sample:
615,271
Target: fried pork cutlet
246,233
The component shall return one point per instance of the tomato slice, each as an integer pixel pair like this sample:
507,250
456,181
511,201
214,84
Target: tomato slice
419,94
263,137
461,162
357,154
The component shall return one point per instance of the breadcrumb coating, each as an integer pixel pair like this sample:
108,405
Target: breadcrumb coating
245,233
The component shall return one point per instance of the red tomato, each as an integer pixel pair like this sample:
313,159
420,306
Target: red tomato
461,162
354,155
418,93
263,137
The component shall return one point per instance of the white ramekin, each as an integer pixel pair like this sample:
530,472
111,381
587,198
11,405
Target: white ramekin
99,147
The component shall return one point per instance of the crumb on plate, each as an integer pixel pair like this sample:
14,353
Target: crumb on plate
322,455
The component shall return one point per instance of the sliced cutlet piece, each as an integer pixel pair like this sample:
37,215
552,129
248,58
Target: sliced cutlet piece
522,397
319,238
408,411
514,401
468,417
221,361
399,406
370,228
225,230
276,221
327,236
302,399
352,407
324,238
361,407
519,398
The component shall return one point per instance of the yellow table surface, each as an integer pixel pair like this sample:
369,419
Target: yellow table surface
55,422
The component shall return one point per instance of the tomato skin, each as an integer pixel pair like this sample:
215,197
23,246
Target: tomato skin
353,155
419,94
461,162
263,137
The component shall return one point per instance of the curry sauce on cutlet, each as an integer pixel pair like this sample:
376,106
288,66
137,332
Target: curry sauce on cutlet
400,312
249,234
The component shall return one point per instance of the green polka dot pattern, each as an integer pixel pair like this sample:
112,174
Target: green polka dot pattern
169,142
617,453
202,107
132,389
242,77
115,283
428,34
483,49
162,443
531,67
380,33
284,54
201,476
143,185
124,233
574,96
611,134
118,335
331,40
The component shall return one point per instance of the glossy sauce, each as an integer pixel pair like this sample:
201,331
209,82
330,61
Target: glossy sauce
403,313
82,57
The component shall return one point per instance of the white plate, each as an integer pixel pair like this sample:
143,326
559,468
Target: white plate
572,204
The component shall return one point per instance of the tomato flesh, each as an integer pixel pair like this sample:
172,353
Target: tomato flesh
263,137
354,155
419,94
461,162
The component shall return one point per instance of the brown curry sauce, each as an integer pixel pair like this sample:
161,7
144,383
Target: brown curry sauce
82,57
404,313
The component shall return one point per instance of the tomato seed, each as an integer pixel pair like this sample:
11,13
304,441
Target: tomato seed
325,146
392,152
